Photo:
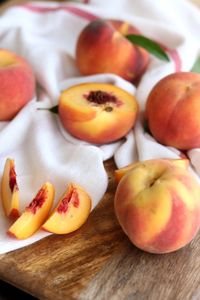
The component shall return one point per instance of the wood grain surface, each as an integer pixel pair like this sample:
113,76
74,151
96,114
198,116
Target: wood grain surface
99,262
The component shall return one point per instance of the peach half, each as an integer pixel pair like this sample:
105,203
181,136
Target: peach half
97,113
17,84
10,190
158,206
103,48
119,173
71,212
34,215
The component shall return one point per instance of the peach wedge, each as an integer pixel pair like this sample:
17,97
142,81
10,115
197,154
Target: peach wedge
182,163
34,215
10,190
71,212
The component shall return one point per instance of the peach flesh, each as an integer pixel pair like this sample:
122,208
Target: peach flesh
10,190
13,179
34,214
38,201
97,113
71,212
71,197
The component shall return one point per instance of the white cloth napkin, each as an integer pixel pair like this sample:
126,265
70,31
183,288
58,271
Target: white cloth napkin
45,33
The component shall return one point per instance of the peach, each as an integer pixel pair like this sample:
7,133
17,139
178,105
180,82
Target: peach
158,206
119,173
17,84
71,212
34,215
173,109
103,48
96,112
10,190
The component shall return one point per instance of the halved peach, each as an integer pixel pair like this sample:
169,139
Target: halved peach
71,212
73,105
97,112
10,190
182,162
34,215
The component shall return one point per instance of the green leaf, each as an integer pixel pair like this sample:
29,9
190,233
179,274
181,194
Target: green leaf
151,46
196,66
53,109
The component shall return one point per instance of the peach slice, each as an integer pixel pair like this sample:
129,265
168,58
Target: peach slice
34,215
71,212
97,112
183,163
10,190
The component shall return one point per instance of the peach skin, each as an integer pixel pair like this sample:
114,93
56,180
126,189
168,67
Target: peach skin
71,212
10,190
158,206
103,48
34,215
97,113
17,84
119,173
173,109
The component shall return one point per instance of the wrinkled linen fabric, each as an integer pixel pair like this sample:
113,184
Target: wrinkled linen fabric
45,33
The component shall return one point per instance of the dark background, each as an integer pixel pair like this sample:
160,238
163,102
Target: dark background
8,292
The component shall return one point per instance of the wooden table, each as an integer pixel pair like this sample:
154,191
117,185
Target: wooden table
99,262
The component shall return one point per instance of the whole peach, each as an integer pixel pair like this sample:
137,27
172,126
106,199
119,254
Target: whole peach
173,110
102,48
158,206
17,84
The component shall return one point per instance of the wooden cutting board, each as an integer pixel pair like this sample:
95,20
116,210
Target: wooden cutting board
99,262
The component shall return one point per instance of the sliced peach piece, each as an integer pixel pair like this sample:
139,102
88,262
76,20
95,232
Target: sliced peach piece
71,212
10,190
34,215
182,162
97,112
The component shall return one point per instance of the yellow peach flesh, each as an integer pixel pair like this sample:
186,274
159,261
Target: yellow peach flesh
34,215
67,216
98,122
9,190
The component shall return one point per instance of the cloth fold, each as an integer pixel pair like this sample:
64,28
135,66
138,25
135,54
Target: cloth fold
45,33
